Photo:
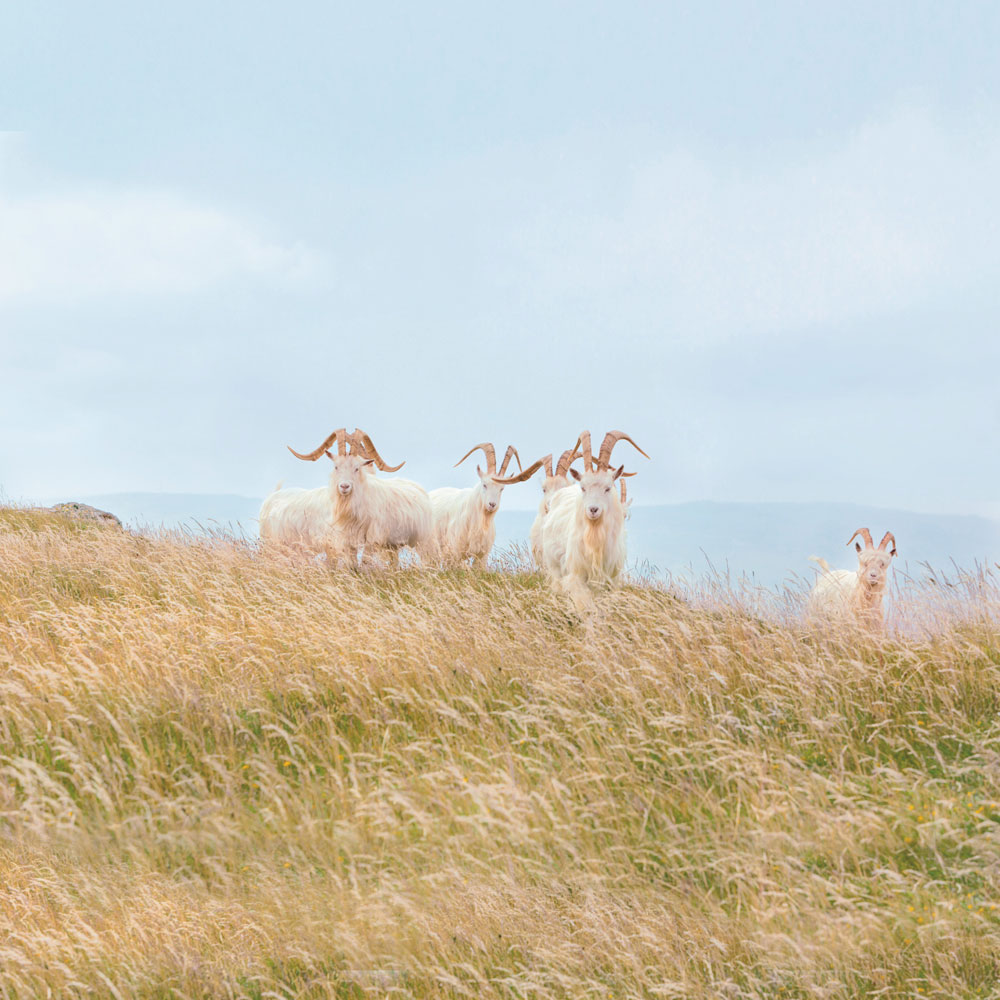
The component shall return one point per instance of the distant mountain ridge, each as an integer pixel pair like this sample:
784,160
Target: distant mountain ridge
768,542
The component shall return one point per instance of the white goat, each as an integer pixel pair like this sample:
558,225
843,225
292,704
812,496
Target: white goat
357,510
464,519
583,534
844,593
552,484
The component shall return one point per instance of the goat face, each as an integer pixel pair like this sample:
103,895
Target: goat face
599,493
550,487
489,493
873,567
348,473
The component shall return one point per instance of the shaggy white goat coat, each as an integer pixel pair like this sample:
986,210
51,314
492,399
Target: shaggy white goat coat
299,518
462,528
577,552
552,486
382,514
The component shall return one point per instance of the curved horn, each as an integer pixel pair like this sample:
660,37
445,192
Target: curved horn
888,537
522,476
567,458
491,457
583,443
866,535
339,435
510,453
607,446
356,445
372,452
621,483
547,462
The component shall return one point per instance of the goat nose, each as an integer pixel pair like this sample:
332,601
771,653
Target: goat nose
594,510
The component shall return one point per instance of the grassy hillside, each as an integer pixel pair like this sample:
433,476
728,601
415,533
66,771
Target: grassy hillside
229,775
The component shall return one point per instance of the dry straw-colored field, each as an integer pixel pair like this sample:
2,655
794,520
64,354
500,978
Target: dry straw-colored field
224,774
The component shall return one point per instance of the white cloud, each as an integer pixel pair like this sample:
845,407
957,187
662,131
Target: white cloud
901,212
87,245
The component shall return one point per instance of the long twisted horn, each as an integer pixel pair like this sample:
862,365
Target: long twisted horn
508,455
621,483
357,444
866,535
522,476
370,451
583,443
491,457
340,435
567,458
547,462
607,446
888,537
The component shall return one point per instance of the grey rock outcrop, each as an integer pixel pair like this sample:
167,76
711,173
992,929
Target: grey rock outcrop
85,512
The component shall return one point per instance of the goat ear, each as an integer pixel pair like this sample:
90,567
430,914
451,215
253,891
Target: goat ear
575,474
893,552
369,462
621,469
329,456
857,545
479,472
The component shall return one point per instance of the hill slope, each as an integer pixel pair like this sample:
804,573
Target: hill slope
768,542
222,774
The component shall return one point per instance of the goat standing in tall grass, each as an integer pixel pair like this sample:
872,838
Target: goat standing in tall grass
844,593
583,534
356,511
464,525
554,481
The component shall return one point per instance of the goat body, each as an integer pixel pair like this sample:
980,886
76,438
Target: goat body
380,514
299,518
462,526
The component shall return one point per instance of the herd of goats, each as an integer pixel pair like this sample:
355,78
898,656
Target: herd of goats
577,539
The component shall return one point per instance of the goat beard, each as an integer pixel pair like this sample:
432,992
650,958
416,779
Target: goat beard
594,539
869,595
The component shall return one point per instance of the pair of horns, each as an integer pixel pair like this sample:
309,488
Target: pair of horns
869,544
491,458
603,462
566,459
360,444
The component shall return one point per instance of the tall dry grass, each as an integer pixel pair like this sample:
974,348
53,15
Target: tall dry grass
226,774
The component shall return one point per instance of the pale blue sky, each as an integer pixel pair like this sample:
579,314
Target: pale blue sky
764,242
